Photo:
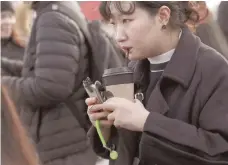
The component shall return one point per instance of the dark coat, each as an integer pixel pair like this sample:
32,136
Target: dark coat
12,55
11,67
188,121
11,49
50,71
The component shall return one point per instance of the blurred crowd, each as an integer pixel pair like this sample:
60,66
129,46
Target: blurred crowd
48,48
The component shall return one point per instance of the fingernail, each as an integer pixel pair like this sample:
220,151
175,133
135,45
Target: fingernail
91,107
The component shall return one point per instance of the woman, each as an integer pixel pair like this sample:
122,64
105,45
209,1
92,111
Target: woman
12,46
15,29
16,147
183,117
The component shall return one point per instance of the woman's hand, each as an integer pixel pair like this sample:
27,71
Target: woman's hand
98,114
125,114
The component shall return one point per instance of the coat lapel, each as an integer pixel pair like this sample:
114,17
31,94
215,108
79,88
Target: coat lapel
157,102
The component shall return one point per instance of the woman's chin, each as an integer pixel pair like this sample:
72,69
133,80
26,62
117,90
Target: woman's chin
134,57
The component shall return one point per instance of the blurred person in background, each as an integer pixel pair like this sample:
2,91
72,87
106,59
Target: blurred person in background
24,21
209,29
50,91
15,31
222,18
182,119
49,76
11,45
16,147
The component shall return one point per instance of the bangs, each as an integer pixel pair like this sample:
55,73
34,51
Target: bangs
105,8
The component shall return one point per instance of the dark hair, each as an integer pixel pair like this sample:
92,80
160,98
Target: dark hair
16,147
181,12
7,6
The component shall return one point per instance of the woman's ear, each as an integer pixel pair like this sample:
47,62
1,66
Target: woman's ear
164,14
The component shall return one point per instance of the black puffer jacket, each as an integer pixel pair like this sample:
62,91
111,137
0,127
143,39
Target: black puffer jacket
50,71
11,49
12,55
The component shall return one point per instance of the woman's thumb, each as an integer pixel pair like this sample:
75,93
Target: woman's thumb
137,101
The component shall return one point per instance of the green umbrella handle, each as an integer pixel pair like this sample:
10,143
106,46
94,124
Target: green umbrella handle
113,154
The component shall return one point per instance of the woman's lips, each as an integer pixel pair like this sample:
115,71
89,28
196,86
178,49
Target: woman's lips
127,50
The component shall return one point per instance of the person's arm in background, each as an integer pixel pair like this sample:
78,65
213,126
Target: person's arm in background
56,66
11,67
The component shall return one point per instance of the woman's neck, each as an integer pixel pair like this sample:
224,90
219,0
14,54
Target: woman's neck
169,41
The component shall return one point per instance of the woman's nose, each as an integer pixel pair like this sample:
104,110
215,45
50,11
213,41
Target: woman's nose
120,34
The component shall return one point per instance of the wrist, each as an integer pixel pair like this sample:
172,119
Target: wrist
144,118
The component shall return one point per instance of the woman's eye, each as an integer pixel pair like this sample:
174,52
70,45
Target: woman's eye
112,23
126,20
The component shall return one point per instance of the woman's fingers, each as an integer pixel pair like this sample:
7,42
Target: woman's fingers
111,116
105,106
106,123
101,116
95,108
98,115
91,101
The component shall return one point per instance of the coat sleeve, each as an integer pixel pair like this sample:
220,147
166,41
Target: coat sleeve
177,141
56,65
11,67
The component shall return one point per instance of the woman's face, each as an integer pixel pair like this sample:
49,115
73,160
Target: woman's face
7,21
138,34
